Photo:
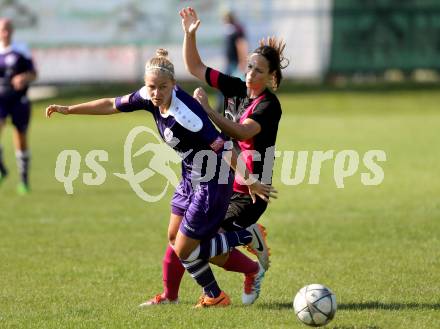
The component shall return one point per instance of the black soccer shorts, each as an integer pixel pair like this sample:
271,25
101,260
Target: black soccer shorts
242,212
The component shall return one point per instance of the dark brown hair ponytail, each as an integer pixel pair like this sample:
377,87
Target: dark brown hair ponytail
272,49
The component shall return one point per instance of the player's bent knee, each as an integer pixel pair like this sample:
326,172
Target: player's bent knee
188,255
182,254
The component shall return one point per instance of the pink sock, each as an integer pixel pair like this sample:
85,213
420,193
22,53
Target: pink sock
238,262
172,271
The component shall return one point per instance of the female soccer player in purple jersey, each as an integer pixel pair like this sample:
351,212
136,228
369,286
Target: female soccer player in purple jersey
253,113
16,73
196,211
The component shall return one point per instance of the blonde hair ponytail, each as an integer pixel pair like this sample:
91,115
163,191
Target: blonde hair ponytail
160,62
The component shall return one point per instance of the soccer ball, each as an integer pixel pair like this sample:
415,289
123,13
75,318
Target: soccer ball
315,305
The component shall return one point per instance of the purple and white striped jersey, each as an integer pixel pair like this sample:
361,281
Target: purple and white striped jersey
186,127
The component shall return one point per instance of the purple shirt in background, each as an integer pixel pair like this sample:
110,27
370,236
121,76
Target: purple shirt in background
13,61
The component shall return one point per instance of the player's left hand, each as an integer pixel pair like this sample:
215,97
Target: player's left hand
264,191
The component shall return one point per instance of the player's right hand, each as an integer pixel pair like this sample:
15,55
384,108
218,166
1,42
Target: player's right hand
264,191
56,108
190,21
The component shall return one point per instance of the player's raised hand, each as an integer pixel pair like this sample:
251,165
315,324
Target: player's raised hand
190,21
56,108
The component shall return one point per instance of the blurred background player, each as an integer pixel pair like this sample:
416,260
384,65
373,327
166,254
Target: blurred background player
236,47
235,50
16,73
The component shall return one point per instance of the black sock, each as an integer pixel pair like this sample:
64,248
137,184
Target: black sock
202,273
221,243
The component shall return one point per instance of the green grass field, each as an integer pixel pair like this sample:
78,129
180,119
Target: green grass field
88,260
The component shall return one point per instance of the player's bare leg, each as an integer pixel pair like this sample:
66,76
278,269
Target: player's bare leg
172,269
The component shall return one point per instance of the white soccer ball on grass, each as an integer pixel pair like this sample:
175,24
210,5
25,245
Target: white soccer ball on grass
315,305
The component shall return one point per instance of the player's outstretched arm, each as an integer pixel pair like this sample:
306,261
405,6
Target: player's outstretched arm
102,106
191,56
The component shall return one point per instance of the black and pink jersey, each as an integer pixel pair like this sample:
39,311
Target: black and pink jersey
186,127
13,61
265,109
